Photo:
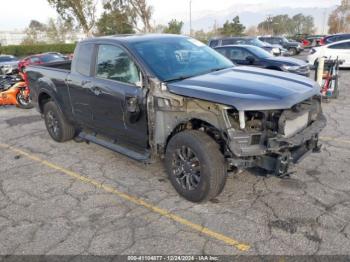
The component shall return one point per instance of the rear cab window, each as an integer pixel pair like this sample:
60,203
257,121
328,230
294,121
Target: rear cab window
84,59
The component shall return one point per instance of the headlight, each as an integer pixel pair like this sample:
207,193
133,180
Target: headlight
7,69
275,50
290,68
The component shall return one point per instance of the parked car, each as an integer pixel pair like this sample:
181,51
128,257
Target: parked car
312,40
40,59
339,50
172,97
244,41
294,48
8,64
257,57
334,38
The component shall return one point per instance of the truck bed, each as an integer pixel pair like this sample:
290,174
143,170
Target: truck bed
64,65
50,77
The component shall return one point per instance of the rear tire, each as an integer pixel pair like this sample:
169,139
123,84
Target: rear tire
201,176
56,124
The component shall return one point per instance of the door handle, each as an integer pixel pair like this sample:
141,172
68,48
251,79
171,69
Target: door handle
96,90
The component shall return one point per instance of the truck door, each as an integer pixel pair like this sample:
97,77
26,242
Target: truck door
118,102
79,82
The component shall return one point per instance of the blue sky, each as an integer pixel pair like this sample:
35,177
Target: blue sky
16,14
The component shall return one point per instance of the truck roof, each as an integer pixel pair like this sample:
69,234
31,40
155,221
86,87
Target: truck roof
133,38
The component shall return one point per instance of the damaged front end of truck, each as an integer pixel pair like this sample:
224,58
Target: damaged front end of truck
259,129
276,139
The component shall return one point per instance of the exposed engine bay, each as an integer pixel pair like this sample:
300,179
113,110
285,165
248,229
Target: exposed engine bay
263,137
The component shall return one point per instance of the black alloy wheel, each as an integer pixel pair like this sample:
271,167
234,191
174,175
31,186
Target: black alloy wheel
186,168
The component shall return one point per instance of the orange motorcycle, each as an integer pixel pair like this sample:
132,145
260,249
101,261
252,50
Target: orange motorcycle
14,91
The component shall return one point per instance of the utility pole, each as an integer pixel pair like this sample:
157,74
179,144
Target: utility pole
190,17
324,21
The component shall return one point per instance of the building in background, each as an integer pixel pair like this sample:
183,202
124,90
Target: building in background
16,37
11,37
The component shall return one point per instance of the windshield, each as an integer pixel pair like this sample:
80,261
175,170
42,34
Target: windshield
285,40
259,52
257,42
7,58
179,58
51,58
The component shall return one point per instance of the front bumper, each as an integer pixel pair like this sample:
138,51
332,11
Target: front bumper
280,152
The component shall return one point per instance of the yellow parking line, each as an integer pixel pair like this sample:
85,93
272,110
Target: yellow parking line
135,200
327,138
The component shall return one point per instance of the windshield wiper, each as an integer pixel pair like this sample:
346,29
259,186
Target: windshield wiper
189,76
178,78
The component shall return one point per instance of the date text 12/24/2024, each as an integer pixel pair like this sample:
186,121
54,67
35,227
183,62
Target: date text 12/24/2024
172,258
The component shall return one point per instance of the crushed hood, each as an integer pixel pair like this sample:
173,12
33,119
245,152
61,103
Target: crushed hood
248,88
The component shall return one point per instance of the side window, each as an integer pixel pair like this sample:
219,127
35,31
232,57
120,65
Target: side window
214,43
336,39
340,46
238,54
268,40
83,64
276,41
221,51
34,59
114,63
228,42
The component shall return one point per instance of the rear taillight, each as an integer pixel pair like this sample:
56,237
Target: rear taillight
306,42
322,41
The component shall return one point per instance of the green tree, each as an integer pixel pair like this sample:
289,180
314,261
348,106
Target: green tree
83,11
339,19
232,28
283,24
34,33
302,24
114,23
60,31
137,11
174,27
115,19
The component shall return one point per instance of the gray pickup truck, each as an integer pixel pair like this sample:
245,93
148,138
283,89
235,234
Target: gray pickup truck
172,97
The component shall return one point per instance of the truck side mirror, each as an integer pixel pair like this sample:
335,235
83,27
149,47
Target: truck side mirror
140,82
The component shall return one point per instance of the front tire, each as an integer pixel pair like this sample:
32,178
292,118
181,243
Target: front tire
56,124
195,166
293,51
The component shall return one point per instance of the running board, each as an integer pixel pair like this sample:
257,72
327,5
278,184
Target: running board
115,147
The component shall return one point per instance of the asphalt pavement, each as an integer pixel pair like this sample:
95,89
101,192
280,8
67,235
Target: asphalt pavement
77,198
